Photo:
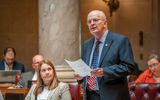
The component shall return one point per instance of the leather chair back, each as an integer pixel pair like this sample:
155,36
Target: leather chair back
75,90
17,78
131,78
144,91
26,69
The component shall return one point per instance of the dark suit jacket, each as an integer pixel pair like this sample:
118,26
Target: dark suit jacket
117,62
23,80
16,66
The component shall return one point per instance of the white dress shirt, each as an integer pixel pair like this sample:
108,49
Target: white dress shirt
157,79
6,66
34,76
44,94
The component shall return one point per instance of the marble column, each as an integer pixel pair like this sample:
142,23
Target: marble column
59,34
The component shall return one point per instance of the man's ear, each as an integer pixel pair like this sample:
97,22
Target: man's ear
3,56
105,23
33,65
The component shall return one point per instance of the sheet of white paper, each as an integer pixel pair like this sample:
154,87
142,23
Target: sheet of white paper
80,67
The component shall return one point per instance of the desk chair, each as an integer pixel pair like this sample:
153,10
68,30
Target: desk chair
17,78
131,78
26,69
75,90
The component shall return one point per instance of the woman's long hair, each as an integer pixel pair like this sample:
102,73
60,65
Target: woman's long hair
54,82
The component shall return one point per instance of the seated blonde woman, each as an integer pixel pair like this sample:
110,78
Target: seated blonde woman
152,75
54,90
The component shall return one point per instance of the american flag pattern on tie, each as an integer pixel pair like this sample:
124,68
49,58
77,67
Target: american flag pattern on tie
92,80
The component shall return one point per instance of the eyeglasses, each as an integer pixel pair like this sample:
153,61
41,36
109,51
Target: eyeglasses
154,65
94,21
36,63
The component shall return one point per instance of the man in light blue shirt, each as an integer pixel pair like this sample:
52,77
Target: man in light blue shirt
115,61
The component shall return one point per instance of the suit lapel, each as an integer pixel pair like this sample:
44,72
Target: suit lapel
106,46
14,67
2,66
89,50
51,93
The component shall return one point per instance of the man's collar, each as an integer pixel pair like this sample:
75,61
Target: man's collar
5,64
103,37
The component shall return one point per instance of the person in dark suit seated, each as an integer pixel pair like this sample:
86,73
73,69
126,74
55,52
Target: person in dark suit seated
25,77
9,62
111,59
53,89
152,74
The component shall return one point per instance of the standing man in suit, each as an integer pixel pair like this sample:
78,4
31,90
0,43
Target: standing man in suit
25,77
8,63
111,62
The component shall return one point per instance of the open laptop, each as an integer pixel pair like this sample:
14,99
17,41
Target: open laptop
8,76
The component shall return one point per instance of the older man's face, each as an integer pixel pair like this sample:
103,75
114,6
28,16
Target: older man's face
36,61
95,23
9,58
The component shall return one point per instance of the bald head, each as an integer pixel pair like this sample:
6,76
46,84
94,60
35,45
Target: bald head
36,59
98,13
97,23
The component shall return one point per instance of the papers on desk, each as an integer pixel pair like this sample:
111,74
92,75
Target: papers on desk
12,87
80,67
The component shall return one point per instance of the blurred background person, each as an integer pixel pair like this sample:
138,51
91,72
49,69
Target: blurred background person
152,74
25,77
54,90
9,62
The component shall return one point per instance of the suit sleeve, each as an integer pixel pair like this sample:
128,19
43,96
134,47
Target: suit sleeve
30,93
23,69
65,92
121,64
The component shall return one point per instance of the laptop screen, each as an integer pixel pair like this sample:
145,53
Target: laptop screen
8,76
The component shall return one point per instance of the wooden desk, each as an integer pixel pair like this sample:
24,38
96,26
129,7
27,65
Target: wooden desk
3,88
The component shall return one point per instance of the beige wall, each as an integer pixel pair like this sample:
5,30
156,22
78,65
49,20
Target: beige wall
19,29
131,17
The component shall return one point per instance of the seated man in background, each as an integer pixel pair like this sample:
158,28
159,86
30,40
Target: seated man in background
8,63
151,75
25,77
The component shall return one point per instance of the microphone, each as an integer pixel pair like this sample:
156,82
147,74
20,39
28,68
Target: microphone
37,89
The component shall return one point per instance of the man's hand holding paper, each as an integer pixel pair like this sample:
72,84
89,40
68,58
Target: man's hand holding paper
97,72
78,77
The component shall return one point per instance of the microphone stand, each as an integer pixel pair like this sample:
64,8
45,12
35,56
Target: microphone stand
84,89
37,89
